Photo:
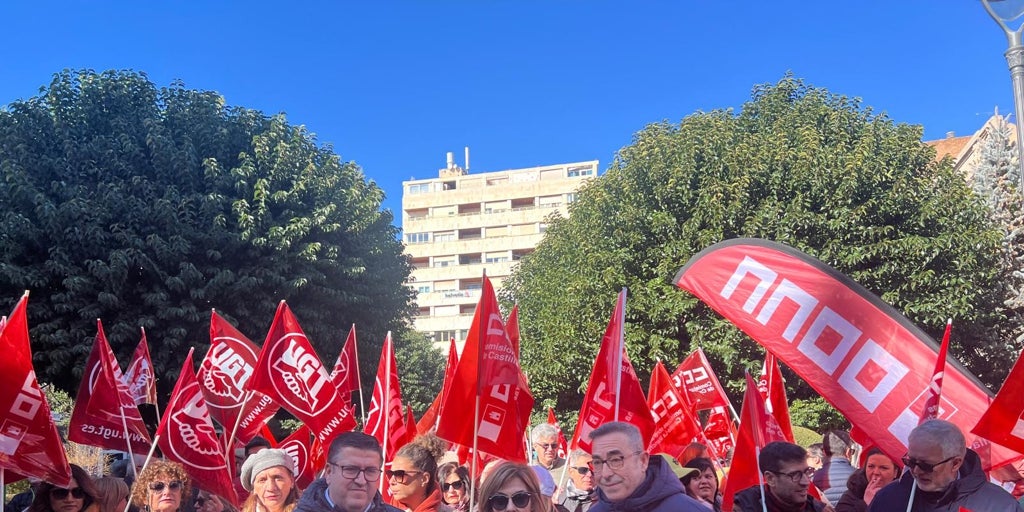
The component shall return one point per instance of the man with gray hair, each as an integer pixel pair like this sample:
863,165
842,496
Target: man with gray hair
628,478
579,493
943,475
836,467
545,444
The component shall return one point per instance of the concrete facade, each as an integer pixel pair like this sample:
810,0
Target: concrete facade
459,225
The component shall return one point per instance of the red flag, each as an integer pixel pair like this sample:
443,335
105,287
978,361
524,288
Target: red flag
385,419
29,441
860,354
698,381
223,376
290,372
410,420
96,418
773,392
300,446
345,374
599,404
428,422
757,428
186,436
563,445
512,326
1003,421
674,425
720,431
488,371
931,404
139,375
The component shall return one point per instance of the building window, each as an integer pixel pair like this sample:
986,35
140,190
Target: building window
444,237
443,336
417,238
419,188
575,172
425,288
570,198
542,227
497,259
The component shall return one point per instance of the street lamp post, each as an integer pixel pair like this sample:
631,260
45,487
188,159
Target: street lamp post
1009,14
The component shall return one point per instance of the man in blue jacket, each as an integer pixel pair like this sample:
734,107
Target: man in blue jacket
630,479
943,475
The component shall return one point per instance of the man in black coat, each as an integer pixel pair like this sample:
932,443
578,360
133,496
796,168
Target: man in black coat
944,475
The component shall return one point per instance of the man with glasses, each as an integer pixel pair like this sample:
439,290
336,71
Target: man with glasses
786,477
545,445
350,480
943,475
579,491
628,478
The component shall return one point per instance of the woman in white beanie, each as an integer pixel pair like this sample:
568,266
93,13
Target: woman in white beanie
269,475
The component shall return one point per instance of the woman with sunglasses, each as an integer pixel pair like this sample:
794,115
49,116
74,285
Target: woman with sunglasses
269,476
77,497
412,477
456,485
513,487
160,487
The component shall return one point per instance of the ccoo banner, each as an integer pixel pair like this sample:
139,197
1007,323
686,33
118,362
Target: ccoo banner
859,353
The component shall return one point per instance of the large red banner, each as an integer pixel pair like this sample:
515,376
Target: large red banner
29,441
859,353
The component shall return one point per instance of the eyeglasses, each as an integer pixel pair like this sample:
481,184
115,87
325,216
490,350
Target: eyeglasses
796,476
547,446
159,486
62,494
925,467
615,462
351,472
400,475
499,502
457,485
583,470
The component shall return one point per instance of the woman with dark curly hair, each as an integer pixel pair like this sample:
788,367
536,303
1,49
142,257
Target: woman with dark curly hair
514,487
456,485
77,497
160,487
412,477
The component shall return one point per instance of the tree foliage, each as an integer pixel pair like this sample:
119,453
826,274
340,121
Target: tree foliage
147,207
797,165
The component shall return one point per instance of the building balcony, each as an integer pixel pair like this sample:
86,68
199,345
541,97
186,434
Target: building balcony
447,298
474,270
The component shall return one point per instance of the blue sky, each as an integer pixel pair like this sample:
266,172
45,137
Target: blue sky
395,85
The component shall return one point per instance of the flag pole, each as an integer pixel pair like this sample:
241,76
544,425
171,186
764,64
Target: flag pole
760,477
156,403
228,450
359,378
621,342
128,440
476,432
386,404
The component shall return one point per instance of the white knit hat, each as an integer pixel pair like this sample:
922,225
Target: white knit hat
262,460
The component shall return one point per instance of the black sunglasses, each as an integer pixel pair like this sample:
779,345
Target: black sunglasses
457,485
499,502
159,486
923,466
60,494
583,470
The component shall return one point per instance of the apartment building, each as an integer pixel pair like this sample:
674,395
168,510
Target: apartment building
459,225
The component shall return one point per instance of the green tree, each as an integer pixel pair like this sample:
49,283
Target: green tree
421,369
797,165
147,207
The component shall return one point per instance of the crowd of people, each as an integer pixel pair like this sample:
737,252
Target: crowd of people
617,474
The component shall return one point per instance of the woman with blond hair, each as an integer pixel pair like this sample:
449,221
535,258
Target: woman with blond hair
160,487
113,494
512,486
